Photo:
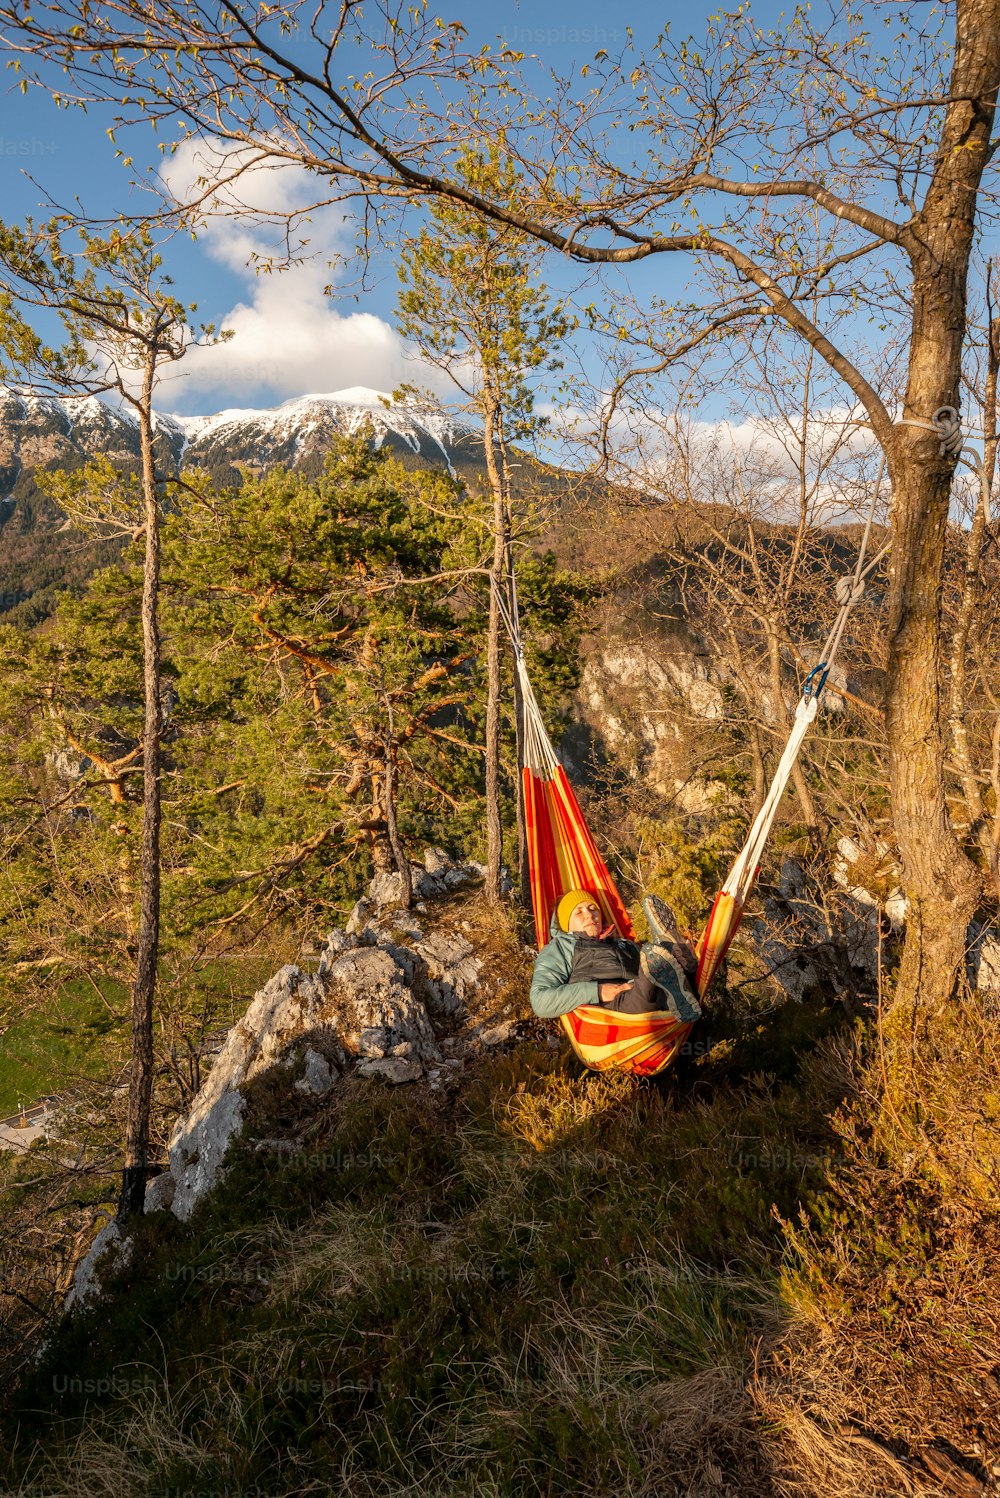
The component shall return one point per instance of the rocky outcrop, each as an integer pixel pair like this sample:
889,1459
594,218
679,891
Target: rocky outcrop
371,1005
634,696
376,995
110,1250
872,879
816,940
644,693
382,987
289,1006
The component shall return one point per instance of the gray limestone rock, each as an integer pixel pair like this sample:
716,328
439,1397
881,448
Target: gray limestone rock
160,1193
437,862
290,1004
789,966
394,1069
198,1147
452,971
817,939
984,958
359,917
391,923
427,886
338,941
377,1008
108,1252
319,1076
896,906
500,1034
371,993
68,765
386,890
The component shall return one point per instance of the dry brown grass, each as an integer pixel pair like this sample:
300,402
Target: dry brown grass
887,1378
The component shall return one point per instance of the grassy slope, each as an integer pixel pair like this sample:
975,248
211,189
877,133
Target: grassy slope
511,1293
75,1034
741,1282
532,1282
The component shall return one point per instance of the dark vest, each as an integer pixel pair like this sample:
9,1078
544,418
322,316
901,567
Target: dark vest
613,960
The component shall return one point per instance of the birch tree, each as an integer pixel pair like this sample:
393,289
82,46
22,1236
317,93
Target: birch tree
124,325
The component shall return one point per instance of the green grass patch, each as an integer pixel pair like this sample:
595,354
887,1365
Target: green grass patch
81,1031
75,1034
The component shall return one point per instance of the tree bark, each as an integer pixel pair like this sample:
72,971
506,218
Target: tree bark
966,627
523,871
940,879
399,856
143,991
383,860
498,579
759,768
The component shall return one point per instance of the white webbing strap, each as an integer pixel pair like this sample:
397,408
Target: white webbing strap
539,755
740,876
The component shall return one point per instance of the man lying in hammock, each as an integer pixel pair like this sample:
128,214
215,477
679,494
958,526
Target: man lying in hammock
585,964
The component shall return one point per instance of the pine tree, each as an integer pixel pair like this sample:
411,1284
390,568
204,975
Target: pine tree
471,306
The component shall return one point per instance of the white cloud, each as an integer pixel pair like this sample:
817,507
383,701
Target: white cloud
289,338
750,463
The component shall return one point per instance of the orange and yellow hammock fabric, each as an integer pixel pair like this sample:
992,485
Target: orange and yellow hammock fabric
562,855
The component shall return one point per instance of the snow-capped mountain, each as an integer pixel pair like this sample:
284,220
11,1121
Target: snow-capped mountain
42,431
298,432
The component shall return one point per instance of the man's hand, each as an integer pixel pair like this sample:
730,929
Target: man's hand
608,992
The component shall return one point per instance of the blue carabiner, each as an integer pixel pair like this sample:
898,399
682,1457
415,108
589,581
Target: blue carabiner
822,671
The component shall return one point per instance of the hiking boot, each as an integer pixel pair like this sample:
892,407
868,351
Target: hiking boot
666,970
664,932
662,921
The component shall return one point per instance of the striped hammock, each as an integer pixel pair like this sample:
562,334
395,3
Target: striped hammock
562,855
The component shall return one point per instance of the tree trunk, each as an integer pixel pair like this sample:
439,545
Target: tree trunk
523,871
966,627
939,878
759,768
498,579
141,1079
398,855
383,860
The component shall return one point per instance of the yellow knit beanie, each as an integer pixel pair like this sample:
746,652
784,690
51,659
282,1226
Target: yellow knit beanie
568,904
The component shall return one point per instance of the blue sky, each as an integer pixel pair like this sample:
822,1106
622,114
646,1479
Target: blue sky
290,339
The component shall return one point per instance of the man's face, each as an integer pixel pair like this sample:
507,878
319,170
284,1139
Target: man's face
586,919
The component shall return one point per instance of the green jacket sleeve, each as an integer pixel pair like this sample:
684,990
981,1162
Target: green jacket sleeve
551,994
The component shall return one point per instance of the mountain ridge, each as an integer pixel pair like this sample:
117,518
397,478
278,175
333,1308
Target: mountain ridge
38,428
42,432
